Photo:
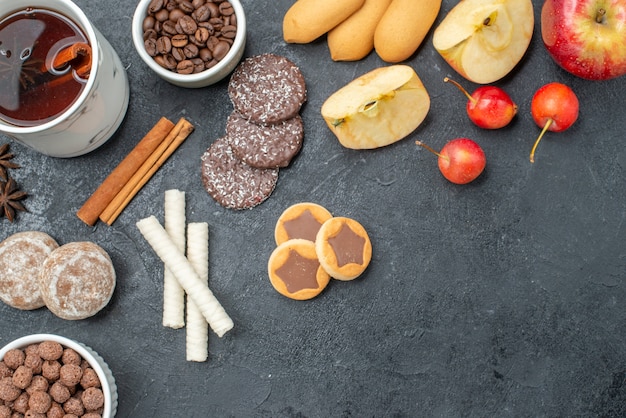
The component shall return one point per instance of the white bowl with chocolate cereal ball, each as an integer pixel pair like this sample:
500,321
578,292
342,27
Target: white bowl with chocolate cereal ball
190,43
57,374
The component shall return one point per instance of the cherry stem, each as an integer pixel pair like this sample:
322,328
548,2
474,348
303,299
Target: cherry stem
460,87
421,144
543,131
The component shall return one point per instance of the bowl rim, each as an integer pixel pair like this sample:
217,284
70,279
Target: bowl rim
238,44
81,349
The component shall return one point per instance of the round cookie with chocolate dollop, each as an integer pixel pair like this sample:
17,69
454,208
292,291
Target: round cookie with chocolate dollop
77,280
21,257
267,89
264,146
301,220
231,182
295,271
343,248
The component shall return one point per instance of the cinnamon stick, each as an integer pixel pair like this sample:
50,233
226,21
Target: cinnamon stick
111,186
78,55
174,139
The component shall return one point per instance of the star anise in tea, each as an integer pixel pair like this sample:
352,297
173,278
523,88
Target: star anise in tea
5,162
10,196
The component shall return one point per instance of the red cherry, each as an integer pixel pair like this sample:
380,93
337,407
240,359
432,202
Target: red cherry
460,161
554,108
489,107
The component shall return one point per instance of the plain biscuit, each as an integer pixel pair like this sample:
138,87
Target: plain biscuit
307,20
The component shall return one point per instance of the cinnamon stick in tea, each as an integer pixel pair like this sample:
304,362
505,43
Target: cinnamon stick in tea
174,139
111,186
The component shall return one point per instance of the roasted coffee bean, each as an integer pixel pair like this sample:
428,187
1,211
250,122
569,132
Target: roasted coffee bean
150,34
226,9
202,35
220,50
213,40
198,65
229,31
164,45
176,14
185,67
197,3
217,23
186,6
229,41
155,6
169,27
180,40
205,54
190,51
207,26
214,9
178,54
171,5
162,15
210,64
148,23
166,61
150,45
188,25
203,13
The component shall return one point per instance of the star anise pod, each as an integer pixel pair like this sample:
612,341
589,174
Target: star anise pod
10,196
5,163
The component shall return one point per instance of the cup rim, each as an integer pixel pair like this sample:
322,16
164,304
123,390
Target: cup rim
84,24
81,349
181,79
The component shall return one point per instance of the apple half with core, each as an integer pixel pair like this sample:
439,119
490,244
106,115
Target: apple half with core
377,108
483,40
586,37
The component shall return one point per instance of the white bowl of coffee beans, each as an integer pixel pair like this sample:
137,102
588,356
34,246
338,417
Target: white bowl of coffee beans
46,375
190,43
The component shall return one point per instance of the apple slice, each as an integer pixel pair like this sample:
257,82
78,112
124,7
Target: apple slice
483,40
377,108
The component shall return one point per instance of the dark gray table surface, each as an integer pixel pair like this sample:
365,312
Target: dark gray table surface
502,298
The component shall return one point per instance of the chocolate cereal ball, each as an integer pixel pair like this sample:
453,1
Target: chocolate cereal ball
93,399
50,350
5,411
59,392
51,370
34,362
92,415
39,402
70,374
33,414
8,391
21,403
55,411
38,383
14,358
74,406
90,379
71,357
22,377
4,370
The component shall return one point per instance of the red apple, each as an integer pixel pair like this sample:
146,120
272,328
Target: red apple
489,107
586,37
554,108
460,161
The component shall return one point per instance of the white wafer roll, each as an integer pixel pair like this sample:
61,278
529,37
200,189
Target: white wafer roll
173,293
182,269
197,337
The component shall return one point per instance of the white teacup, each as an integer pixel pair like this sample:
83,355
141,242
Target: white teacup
99,109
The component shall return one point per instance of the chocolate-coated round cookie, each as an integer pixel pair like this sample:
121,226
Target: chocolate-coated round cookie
267,89
264,146
231,182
